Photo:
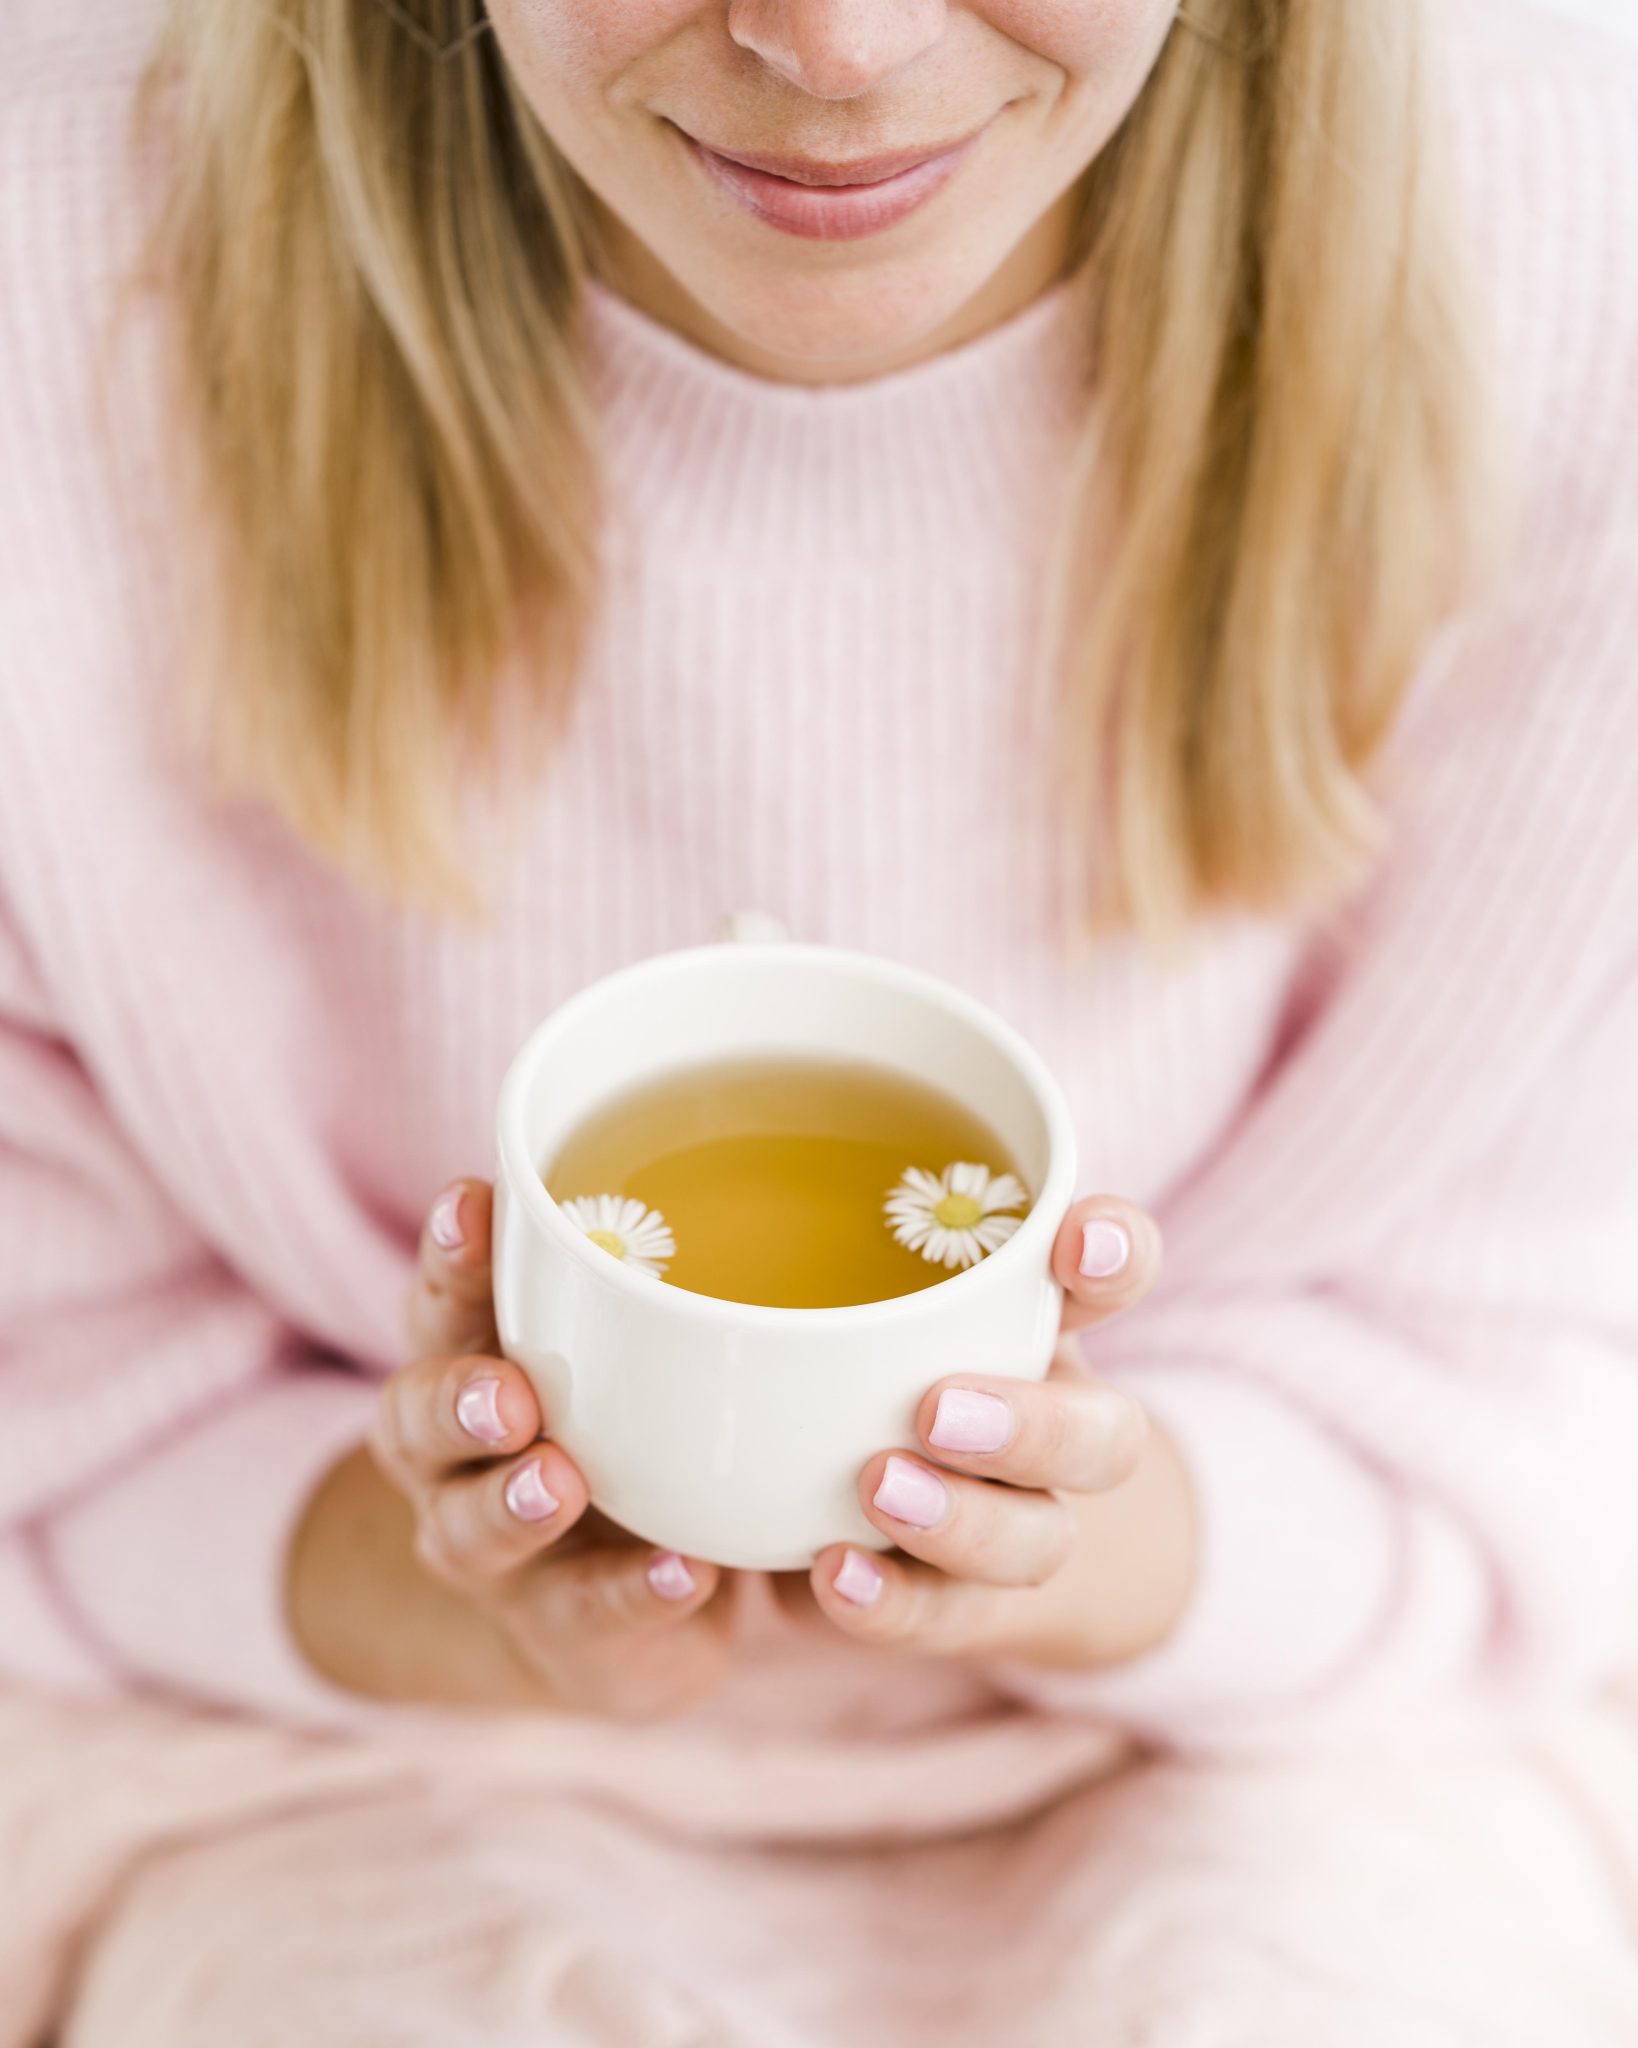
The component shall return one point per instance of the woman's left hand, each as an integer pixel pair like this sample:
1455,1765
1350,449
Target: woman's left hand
1005,1519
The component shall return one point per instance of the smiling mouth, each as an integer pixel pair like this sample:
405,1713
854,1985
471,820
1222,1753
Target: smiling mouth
829,200
830,173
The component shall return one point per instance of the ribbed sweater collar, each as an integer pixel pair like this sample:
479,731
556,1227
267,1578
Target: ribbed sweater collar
956,441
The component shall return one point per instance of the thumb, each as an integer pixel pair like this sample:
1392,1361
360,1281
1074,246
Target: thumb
451,1310
1106,1257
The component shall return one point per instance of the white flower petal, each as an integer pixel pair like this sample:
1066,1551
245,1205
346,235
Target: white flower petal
651,1239
643,1233
1005,1191
911,1210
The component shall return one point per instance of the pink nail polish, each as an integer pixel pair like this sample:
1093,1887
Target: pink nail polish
912,1494
970,1421
528,1495
444,1223
477,1410
859,1579
1105,1248
670,1577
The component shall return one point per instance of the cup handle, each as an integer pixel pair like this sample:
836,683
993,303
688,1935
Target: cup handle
752,927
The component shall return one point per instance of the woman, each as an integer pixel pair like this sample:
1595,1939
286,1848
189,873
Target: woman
470,524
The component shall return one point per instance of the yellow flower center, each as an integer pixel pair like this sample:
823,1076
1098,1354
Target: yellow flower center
957,1212
609,1241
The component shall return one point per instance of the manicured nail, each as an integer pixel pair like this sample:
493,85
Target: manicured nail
910,1493
859,1579
670,1577
970,1421
477,1409
1105,1248
444,1223
528,1496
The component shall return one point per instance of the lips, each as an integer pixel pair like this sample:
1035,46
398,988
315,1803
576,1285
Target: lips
821,171
830,201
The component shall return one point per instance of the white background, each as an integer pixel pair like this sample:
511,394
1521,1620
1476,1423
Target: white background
1621,14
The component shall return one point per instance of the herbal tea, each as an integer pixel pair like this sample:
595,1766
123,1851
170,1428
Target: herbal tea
790,1182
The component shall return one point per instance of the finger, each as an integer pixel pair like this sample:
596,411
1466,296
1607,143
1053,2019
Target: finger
616,1589
439,1414
481,1525
1066,1432
899,1602
1106,1257
970,1528
608,1642
450,1307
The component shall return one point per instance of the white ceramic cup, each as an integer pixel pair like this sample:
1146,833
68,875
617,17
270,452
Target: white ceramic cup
733,1431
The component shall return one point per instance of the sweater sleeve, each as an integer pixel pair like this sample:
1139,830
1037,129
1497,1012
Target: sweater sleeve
162,1424
1396,1340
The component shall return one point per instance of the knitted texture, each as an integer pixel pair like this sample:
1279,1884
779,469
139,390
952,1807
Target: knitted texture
1395,1156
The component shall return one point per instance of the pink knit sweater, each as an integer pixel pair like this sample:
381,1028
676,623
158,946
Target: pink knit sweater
1396,1158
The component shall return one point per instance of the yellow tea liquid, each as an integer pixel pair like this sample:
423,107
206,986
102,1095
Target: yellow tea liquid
772,1174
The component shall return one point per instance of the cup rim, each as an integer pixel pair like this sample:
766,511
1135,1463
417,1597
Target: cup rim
994,1269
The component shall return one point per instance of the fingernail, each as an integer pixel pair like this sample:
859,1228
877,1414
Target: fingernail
444,1223
528,1496
859,1579
477,1409
670,1577
970,1421
910,1493
1105,1248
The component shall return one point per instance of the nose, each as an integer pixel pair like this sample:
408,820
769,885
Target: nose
836,49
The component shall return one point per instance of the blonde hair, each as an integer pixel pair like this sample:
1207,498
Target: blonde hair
374,259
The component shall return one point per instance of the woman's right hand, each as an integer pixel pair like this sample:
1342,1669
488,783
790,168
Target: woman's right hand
589,1618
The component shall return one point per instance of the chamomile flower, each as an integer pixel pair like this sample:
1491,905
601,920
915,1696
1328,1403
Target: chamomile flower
953,1217
621,1225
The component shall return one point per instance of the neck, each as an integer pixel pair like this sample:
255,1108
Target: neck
1034,263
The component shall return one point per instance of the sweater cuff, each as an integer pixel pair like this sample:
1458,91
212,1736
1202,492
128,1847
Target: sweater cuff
176,1568
1298,1559
39,1645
